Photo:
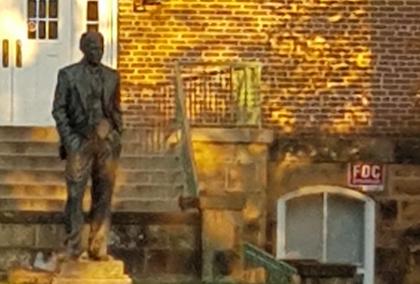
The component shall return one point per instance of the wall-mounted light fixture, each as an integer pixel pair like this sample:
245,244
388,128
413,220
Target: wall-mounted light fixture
141,5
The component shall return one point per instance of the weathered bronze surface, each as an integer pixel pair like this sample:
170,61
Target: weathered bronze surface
88,117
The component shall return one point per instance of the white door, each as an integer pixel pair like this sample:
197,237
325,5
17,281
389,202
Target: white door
37,38
11,23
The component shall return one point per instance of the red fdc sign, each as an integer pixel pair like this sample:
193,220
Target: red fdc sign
362,174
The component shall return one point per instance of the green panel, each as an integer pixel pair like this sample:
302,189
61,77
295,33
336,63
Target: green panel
278,272
246,87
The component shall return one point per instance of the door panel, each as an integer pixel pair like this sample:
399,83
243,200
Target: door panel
43,36
44,49
10,25
5,81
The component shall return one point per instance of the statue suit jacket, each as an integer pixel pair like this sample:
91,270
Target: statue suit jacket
70,99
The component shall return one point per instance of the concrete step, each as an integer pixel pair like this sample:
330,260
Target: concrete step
146,135
136,205
160,162
42,148
60,192
56,177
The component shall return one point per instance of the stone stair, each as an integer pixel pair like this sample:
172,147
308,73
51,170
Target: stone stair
31,174
150,233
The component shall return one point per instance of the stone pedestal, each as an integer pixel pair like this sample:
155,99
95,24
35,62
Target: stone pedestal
28,276
92,272
73,272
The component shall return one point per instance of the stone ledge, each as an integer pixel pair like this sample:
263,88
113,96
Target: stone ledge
90,281
27,276
233,135
92,269
309,268
223,202
39,217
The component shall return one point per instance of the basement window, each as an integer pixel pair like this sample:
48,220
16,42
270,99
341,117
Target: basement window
328,224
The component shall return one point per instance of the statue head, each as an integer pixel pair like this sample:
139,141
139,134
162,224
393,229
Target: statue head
92,46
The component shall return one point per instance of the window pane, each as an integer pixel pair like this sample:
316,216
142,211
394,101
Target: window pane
41,30
92,14
42,9
345,226
52,30
304,227
31,29
31,8
53,9
92,27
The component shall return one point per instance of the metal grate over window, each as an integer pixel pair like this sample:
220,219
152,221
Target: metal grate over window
43,19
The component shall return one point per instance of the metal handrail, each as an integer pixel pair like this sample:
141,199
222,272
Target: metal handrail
187,153
278,272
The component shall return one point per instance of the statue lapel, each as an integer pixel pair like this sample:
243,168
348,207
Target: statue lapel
82,85
108,89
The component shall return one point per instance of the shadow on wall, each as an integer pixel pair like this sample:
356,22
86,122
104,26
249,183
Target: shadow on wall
329,66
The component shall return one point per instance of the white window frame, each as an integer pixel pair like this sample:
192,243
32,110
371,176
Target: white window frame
369,226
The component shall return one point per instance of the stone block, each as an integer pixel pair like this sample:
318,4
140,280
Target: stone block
91,281
225,261
87,272
388,210
28,276
229,201
410,212
49,236
391,260
258,150
184,261
92,269
243,178
255,276
401,170
156,261
156,237
213,182
17,235
15,257
127,236
255,207
134,260
222,229
182,237
387,237
406,186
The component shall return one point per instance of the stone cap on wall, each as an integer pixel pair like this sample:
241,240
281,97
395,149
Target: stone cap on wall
313,268
232,135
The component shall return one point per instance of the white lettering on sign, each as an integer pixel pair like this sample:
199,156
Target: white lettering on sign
362,174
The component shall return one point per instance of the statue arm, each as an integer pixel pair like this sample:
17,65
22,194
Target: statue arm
117,107
60,110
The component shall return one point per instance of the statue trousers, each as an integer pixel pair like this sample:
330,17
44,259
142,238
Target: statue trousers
97,159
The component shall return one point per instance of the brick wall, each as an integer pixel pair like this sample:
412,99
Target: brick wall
330,66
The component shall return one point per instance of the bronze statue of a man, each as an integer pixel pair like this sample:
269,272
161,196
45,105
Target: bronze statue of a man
87,112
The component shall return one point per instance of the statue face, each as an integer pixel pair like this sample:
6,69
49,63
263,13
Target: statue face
93,50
